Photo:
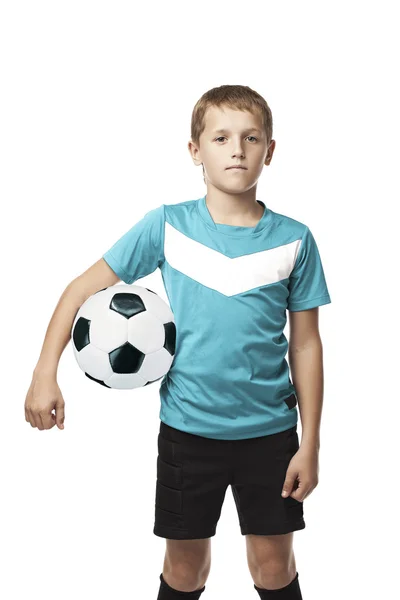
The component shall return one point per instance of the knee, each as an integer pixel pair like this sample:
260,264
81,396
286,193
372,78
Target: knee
275,574
186,576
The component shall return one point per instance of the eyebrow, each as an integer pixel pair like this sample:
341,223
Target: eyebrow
227,130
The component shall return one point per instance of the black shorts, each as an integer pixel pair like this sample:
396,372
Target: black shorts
193,473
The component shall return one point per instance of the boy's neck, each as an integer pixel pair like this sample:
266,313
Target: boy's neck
241,210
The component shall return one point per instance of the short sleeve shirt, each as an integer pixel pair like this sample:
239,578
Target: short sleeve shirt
229,288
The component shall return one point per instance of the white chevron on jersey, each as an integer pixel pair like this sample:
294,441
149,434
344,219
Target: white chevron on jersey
226,275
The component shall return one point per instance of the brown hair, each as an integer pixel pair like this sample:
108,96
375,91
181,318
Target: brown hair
239,97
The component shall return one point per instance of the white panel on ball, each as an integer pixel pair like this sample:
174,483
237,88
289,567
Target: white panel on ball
156,364
138,332
108,329
95,362
122,381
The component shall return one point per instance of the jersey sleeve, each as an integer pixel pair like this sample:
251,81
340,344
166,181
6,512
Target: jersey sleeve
307,284
141,249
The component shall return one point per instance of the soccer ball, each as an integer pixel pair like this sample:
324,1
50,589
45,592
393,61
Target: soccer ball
123,337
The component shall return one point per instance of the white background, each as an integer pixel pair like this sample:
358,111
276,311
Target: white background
96,103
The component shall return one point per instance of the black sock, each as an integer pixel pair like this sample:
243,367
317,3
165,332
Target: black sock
168,593
289,592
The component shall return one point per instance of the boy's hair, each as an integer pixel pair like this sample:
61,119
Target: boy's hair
239,97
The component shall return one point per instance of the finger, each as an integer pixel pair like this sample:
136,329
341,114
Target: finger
60,416
27,416
46,421
37,419
31,418
288,484
300,493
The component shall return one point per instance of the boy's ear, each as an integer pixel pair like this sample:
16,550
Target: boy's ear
194,153
270,152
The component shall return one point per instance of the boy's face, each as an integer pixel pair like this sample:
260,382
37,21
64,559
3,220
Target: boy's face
232,137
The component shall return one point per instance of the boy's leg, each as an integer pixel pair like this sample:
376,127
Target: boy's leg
187,563
192,478
266,518
271,559
272,565
186,567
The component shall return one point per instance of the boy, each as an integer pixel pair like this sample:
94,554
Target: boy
231,267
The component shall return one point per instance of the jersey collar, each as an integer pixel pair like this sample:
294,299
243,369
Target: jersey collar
233,229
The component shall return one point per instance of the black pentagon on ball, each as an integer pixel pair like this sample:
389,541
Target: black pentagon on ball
80,335
170,337
97,380
127,305
126,359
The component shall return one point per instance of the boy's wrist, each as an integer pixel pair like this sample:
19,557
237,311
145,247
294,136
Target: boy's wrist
310,442
45,371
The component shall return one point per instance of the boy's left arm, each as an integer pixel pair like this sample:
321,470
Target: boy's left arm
306,365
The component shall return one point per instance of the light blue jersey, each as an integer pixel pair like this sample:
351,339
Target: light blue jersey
229,288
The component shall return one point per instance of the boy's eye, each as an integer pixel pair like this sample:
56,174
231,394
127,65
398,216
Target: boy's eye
221,137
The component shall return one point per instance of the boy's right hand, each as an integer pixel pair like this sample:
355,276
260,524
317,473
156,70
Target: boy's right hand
43,396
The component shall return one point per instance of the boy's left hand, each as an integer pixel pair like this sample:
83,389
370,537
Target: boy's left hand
301,474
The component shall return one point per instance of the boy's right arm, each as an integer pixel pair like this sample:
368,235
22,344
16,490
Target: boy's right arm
44,394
